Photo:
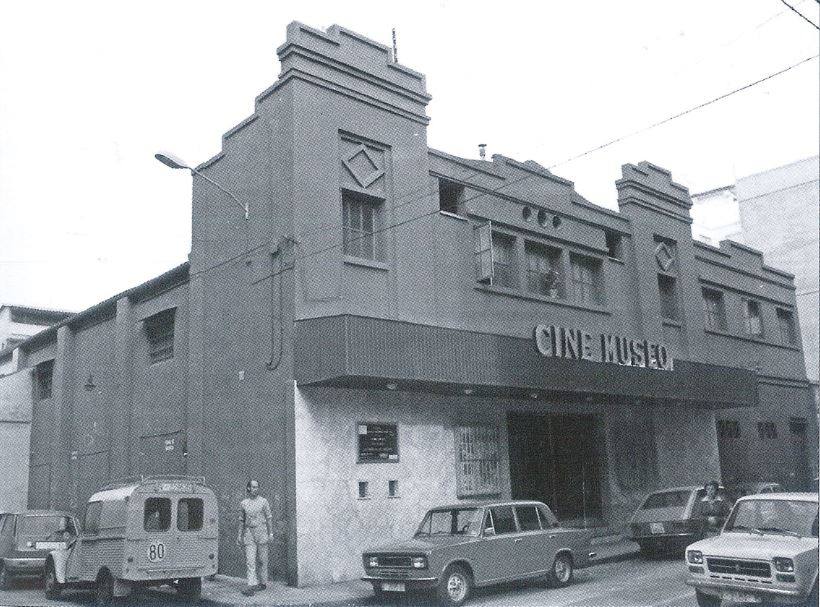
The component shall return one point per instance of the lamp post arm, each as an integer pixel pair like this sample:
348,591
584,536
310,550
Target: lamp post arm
216,185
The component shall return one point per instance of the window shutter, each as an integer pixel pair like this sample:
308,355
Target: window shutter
483,236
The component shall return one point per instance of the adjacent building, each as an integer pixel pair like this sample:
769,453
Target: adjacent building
17,323
394,327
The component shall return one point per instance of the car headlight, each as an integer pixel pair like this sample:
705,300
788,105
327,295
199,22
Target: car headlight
419,562
372,561
694,556
783,565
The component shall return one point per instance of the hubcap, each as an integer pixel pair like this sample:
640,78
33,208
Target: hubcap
456,587
562,569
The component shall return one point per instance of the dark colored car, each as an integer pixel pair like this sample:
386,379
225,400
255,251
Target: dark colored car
19,534
459,547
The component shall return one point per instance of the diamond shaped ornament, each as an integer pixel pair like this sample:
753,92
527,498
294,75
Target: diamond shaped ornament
362,166
664,257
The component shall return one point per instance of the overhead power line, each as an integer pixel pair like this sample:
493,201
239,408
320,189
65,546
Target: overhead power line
797,12
684,112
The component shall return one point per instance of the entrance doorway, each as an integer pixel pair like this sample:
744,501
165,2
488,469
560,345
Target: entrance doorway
554,459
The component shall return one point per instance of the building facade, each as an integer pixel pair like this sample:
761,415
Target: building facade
17,323
775,212
394,327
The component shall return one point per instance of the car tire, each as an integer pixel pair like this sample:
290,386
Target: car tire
189,589
455,586
53,588
707,600
104,594
5,577
561,572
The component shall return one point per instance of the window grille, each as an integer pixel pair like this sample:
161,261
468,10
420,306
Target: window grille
766,430
505,273
667,289
478,454
752,319
44,374
714,312
544,271
785,320
586,279
159,329
361,226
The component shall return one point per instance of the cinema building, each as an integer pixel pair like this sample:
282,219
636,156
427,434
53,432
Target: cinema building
394,327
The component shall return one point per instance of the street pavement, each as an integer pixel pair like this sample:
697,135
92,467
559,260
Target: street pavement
635,582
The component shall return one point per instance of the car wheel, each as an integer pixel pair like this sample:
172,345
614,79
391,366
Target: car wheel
707,600
561,571
190,589
455,586
53,588
105,590
5,578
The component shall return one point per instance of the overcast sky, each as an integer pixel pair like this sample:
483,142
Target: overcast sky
90,90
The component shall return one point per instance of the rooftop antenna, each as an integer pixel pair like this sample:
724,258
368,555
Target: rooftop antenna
482,150
395,48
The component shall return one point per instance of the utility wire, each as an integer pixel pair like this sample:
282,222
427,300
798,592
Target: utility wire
801,14
684,112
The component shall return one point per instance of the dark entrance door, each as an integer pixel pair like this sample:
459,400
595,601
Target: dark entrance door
554,459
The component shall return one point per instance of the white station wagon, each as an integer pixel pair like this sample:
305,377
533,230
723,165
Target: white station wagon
766,553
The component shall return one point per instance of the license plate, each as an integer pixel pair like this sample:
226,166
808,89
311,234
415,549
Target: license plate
393,586
740,597
656,527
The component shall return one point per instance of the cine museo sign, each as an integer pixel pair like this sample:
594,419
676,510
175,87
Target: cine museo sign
575,344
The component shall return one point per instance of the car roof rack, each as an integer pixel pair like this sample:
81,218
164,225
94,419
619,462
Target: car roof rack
136,480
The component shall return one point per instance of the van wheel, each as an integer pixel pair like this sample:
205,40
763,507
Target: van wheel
455,586
53,588
5,577
561,572
189,589
105,590
707,600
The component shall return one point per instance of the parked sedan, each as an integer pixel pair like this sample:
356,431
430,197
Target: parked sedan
19,534
459,547
766,553
668,520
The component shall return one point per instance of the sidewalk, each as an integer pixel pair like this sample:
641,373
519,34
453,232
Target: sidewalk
225,590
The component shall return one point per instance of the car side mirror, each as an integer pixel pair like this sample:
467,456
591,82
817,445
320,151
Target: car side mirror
489,531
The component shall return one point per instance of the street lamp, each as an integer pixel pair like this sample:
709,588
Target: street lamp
172,161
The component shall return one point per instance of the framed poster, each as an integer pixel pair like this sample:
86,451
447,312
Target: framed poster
377,442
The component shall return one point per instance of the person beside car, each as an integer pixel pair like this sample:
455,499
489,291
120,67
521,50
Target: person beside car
713,508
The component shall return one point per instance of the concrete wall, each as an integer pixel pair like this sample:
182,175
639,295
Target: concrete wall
15,430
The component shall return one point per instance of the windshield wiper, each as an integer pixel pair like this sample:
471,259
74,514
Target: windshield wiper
749,529
778,530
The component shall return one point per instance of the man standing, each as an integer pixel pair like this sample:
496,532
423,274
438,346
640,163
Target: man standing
255,532
713,508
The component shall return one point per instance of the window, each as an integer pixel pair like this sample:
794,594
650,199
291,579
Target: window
503,519
728,428
505,272
785,321
528,518
544,270
190,513
667,289
159,329
613,245
797,426
392,488
364,490
752,320
361,226
478,452
766,430
714,313
450,196
43,373
586,280
157,515
91,525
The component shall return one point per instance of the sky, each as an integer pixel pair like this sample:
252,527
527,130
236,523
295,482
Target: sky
89,91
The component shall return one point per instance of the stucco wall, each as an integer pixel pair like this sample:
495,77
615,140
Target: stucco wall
15,430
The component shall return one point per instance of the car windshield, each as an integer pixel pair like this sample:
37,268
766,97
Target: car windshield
45,528
786,517
666,499
453,521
